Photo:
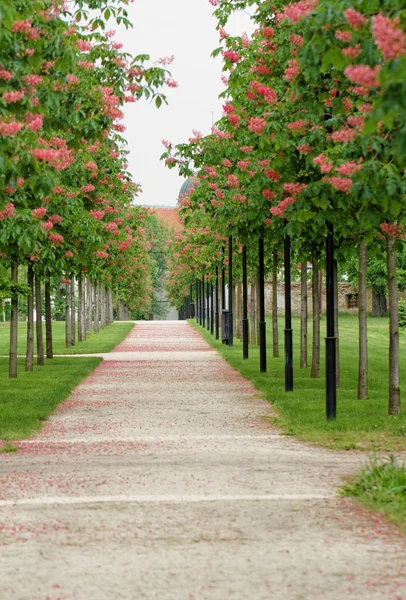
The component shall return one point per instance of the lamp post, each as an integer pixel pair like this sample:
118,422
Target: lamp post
245,303
262,324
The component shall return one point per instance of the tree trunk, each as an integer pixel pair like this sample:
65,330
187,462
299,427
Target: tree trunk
321,291
96,306
68,323
240,311
29,357
336,332
72,312
110,314
103,318
253,321
48,320
89,307
303,316
275,331
12,372
362,320
394,378
379,305
315,372
38,310
80,310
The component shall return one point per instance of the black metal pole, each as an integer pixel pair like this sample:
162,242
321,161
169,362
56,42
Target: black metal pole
262,324
217,305
245,303
288,319
223,297
331,379
208,304
203,304
211,308
230,291
197,301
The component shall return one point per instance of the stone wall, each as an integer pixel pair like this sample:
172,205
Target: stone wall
346,300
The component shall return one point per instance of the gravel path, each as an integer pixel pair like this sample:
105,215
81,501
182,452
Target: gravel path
160,478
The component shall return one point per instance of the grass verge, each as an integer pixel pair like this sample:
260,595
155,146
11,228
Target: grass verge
27,401
360,424
104,341
381,486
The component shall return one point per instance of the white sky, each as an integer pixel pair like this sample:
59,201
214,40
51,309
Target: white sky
186,29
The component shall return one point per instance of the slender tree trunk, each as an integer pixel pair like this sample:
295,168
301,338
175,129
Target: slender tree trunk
89,307
362,320
336,331
275,331
394,378
257,295
72,312
38,310
96,306
103,305
303,316
315,372
68,322
321,291
48,320
29,357
110,314
253,322
80,310
13,321
240,312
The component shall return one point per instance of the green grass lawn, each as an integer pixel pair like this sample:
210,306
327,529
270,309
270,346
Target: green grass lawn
27,401
362,424
381,485
104,341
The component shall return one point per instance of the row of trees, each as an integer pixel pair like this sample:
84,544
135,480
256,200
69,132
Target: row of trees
311,149
65,191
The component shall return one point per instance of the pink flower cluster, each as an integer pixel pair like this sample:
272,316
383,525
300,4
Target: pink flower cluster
297,11
341,184
355,18
38,213
272,175
292,71
33,122
296,125
268,194
10,129
294,189
363,75
256,124
268,93
324,163
232,56
31,32
349,168
391,228
232,181
97,214
8,211
388,36
277,211
345,134
12,97
56,238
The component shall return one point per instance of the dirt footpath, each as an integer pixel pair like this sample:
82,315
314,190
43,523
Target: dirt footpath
159,478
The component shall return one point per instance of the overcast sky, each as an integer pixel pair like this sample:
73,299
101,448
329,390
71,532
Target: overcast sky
185,29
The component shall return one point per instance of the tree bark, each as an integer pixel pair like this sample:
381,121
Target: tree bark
89,305
38,310
379,305
48,320
80,310
362,320
303,316
315,371
103,318
394,378
72,312
110,314
12,371
275,330
68,323
29,356
96,306
321,291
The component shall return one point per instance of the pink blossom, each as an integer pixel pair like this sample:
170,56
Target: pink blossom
346,134
296,125
296,40
271,174
247,149
349,168
232,181
268,194
391,228
86,189
341,184
322,161
91,166
33,80
297,11
294,189
69,254
47,225
38,213
55,219
234,120
34,122
97,214
6,75
172,83
8,211
268,32
56,238
227,163
11,97
72,79
277,211
10,129
232,56
304,148
83,46
355,18
256,124
85,64
292,71
352,51
388,36
343,36
363,75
